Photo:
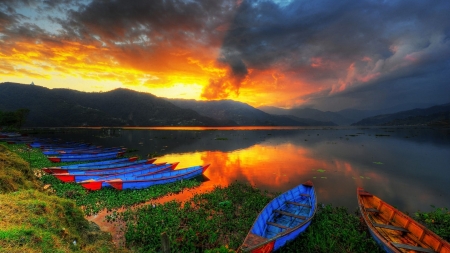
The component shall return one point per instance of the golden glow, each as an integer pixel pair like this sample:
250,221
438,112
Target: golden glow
165,73
271,167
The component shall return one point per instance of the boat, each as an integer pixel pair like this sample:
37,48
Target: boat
145,181
100,182
75,150
282,220
395,231
99,163
79,176
100,167
85,157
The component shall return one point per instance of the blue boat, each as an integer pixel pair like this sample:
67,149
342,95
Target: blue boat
145,181
106,173
81,151
85,157
99,183
282,220
92,168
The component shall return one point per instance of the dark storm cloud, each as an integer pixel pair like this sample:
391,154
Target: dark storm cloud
148,21
363,41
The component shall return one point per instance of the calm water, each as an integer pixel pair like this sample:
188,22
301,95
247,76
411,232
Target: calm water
407,167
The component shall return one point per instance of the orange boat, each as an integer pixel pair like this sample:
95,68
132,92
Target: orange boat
395,231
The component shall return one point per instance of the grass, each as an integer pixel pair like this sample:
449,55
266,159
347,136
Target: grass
334,228
35,220
437,221
207,221
108,198
15,174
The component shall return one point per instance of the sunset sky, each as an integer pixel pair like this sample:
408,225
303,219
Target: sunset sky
324,54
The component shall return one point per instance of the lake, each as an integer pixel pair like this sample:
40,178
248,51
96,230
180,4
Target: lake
407,167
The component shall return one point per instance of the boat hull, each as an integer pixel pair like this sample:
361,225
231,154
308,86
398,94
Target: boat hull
393,230
76,158
282,220
146,181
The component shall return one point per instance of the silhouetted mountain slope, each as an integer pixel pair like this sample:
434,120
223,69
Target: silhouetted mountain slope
309,114
435,115
243,114
120,107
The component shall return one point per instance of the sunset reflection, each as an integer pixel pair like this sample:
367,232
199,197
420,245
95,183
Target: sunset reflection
267,166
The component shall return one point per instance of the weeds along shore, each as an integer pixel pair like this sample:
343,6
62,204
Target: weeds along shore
39,213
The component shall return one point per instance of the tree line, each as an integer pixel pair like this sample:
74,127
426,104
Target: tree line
13,119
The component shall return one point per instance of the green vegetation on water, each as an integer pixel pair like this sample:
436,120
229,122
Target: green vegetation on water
110,198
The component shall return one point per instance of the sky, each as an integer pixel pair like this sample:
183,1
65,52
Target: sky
323,54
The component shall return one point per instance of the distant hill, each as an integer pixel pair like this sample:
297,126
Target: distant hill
120,107
243,114
435,115
309,113
342,117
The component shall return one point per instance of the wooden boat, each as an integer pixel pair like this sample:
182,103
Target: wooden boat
395,231
145,181
100,167
99,183
95,174
282,220
85,157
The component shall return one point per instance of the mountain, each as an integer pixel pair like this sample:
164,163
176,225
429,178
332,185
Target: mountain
120,107
435,115
243,114
309,113
342,117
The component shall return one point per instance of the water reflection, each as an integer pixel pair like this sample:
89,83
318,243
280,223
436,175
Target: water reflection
407,167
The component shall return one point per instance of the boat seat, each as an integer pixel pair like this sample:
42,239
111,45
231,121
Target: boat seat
411,247
373,210
290,214
277,225
390,227
298,204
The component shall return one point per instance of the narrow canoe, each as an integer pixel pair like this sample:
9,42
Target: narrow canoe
91,150
145,181
99,168
395,231
100,182
90,157
106,152
96,174
99,163
282,220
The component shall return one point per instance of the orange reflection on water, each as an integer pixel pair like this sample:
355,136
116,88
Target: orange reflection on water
266,166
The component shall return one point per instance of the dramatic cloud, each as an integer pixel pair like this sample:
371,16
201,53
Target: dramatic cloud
325,54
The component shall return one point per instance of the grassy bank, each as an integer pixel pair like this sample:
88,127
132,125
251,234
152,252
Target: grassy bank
35,220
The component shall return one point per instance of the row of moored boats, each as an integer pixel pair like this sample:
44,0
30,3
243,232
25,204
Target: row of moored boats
104,167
